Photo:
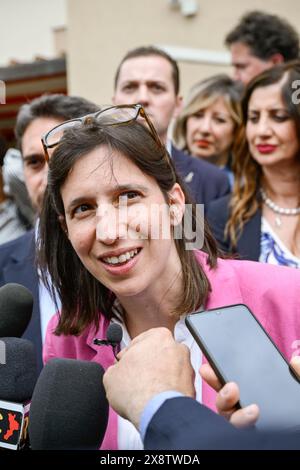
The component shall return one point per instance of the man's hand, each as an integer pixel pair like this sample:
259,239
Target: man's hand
229,395
153,363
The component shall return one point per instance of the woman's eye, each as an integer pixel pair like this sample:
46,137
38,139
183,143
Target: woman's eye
220,120
81,209
280,117
253,119
198,115
129,195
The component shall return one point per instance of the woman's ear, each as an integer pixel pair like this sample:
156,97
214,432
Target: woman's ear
177,204
63,224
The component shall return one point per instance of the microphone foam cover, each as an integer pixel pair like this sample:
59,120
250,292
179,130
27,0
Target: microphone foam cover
18,373
16,304
69,409
114,333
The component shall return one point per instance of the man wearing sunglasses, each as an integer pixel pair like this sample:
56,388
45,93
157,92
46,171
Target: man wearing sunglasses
17,258
149,76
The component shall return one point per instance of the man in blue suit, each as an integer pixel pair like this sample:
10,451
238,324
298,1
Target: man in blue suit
149,76
17,258
152,385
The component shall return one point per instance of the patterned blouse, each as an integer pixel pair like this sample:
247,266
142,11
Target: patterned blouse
272,249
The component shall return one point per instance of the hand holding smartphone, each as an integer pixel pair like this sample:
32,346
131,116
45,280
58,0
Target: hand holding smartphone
240,350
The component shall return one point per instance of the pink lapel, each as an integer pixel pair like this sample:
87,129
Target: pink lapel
225,291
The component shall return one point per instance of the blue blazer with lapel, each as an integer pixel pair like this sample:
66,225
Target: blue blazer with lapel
248,245
17,264
204,181
184,424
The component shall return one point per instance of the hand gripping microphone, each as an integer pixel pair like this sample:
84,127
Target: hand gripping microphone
69,409
114,336
15,310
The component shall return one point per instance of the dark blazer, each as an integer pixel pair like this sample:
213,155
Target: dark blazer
17,265
204,181
248,245
184,424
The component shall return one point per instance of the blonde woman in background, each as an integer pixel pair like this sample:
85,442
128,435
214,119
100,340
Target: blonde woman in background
207,123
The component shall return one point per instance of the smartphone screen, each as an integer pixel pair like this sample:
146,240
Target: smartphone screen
240,350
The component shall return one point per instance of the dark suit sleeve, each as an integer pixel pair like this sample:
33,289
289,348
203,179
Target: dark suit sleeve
210,183
223,186
17,264
184,424
217,217
205,182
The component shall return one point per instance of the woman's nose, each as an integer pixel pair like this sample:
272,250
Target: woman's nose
205,125
263,126
109,227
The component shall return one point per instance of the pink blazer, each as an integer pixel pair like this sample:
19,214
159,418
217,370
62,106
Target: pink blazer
271,292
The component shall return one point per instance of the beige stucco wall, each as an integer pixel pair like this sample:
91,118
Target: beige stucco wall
27,29
101,31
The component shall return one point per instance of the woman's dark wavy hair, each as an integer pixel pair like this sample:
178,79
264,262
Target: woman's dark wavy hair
82,296
248,174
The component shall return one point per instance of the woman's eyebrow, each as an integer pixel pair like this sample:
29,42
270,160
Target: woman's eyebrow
130,187
117,188
75,202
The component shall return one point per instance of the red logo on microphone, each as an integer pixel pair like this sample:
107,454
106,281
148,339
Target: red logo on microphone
13,426
10,426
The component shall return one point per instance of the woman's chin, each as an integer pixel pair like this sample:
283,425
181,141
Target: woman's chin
128,290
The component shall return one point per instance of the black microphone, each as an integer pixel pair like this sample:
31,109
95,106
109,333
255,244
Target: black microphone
16,304
114,337
69,409
18,375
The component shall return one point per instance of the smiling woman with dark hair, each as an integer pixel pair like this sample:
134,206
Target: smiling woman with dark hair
113,240
261,219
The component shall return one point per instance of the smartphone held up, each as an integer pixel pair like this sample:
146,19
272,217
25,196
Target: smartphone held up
240,350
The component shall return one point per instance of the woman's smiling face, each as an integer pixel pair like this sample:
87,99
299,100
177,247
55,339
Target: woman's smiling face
209,132
117,221
271,132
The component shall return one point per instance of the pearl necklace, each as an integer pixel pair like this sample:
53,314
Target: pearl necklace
277,209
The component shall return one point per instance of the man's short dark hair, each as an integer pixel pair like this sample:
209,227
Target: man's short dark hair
57,106
266,35
148,51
